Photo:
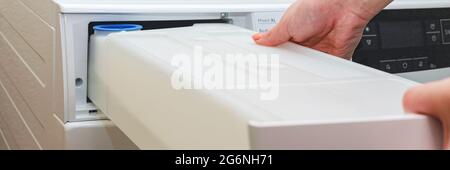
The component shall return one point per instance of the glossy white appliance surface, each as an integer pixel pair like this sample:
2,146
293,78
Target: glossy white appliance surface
177,6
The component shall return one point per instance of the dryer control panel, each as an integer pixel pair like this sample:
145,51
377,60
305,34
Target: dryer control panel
406,40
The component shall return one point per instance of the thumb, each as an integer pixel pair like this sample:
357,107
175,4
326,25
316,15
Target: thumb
431,99
274,37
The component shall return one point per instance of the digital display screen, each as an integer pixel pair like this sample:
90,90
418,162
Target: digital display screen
401,34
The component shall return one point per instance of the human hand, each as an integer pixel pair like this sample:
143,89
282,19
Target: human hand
331,26
431,99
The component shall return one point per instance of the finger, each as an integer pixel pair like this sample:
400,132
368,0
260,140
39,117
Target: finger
274,37
431,99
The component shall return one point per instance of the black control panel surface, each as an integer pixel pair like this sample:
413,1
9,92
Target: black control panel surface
398,41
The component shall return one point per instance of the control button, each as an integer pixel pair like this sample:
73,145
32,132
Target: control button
445,23
389,66
433,66
432,26
433,39
369,43
421,64
370,29
405,65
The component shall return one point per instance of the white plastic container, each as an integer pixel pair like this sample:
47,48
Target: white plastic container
324,102
97,49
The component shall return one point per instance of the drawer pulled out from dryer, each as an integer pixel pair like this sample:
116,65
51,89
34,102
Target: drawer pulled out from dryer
149,84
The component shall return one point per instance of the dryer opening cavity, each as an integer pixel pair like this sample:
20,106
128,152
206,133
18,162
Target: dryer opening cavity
149,25
113,26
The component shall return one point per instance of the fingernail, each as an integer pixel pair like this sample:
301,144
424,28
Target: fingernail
257,36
